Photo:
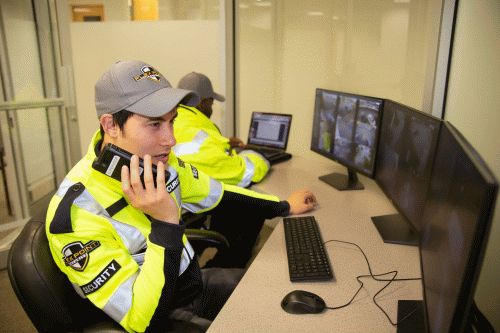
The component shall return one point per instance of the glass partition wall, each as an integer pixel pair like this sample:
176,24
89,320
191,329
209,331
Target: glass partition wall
287,49
33,141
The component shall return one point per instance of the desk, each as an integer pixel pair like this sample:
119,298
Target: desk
254,306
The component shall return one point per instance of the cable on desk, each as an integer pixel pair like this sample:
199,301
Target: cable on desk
380,290
361,284
376,278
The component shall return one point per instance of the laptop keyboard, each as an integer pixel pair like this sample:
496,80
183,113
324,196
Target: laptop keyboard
269,153
263,150
277,157
268,150
307,258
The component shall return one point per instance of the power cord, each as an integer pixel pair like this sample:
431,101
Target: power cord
376,278
478,321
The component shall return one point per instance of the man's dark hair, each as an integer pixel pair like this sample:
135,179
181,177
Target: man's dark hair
119,118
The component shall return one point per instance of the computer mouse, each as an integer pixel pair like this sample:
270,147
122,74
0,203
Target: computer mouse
301,301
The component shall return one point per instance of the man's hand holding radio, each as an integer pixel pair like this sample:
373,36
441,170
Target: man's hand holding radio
153,201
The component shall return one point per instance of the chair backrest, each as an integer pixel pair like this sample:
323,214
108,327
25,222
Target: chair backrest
47,296
43,290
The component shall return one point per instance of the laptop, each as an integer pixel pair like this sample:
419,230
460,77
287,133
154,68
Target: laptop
268,135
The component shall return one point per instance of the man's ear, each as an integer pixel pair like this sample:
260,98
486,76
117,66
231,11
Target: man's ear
109,126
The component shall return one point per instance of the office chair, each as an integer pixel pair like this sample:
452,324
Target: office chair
47,296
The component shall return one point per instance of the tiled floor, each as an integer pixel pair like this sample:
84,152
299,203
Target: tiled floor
13,319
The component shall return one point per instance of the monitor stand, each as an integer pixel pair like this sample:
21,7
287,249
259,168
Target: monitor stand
342,182
411,316
395,229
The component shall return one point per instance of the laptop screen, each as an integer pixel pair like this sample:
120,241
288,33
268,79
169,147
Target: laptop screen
269,129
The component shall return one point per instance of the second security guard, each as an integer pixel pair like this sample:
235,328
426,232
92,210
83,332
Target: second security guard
200,142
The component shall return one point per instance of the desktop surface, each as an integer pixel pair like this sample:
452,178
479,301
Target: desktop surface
255,305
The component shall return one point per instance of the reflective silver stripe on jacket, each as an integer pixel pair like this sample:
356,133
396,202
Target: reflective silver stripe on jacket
215,192
131,237
191,147
120,302
248,174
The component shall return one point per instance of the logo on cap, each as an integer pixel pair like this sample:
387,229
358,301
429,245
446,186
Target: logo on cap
148,73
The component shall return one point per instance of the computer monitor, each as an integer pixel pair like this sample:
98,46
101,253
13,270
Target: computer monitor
456,223
406,148
269,130
345,129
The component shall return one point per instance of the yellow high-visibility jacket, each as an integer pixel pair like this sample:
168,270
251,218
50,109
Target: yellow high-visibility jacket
200,143
134,268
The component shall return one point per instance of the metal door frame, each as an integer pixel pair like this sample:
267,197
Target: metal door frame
63,131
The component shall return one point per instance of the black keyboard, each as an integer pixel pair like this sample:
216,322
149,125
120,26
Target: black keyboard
307,259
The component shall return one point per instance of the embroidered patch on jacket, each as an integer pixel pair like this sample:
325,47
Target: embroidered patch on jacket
195,172
77,254
181,163
103,277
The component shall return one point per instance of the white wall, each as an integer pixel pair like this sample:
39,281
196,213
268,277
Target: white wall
175,48
473,106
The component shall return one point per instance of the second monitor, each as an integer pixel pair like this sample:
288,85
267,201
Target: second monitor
406,149
345,129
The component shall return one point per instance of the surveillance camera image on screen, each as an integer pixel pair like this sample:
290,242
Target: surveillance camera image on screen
355,132
366,133
345,126
345,129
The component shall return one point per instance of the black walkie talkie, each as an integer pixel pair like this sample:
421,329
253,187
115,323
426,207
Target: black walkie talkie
112,158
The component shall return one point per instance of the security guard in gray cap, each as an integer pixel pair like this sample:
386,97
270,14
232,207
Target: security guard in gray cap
121,243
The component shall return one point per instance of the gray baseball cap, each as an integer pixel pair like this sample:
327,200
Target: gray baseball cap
139,88
201,85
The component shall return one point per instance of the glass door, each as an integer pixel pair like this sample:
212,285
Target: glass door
33,141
